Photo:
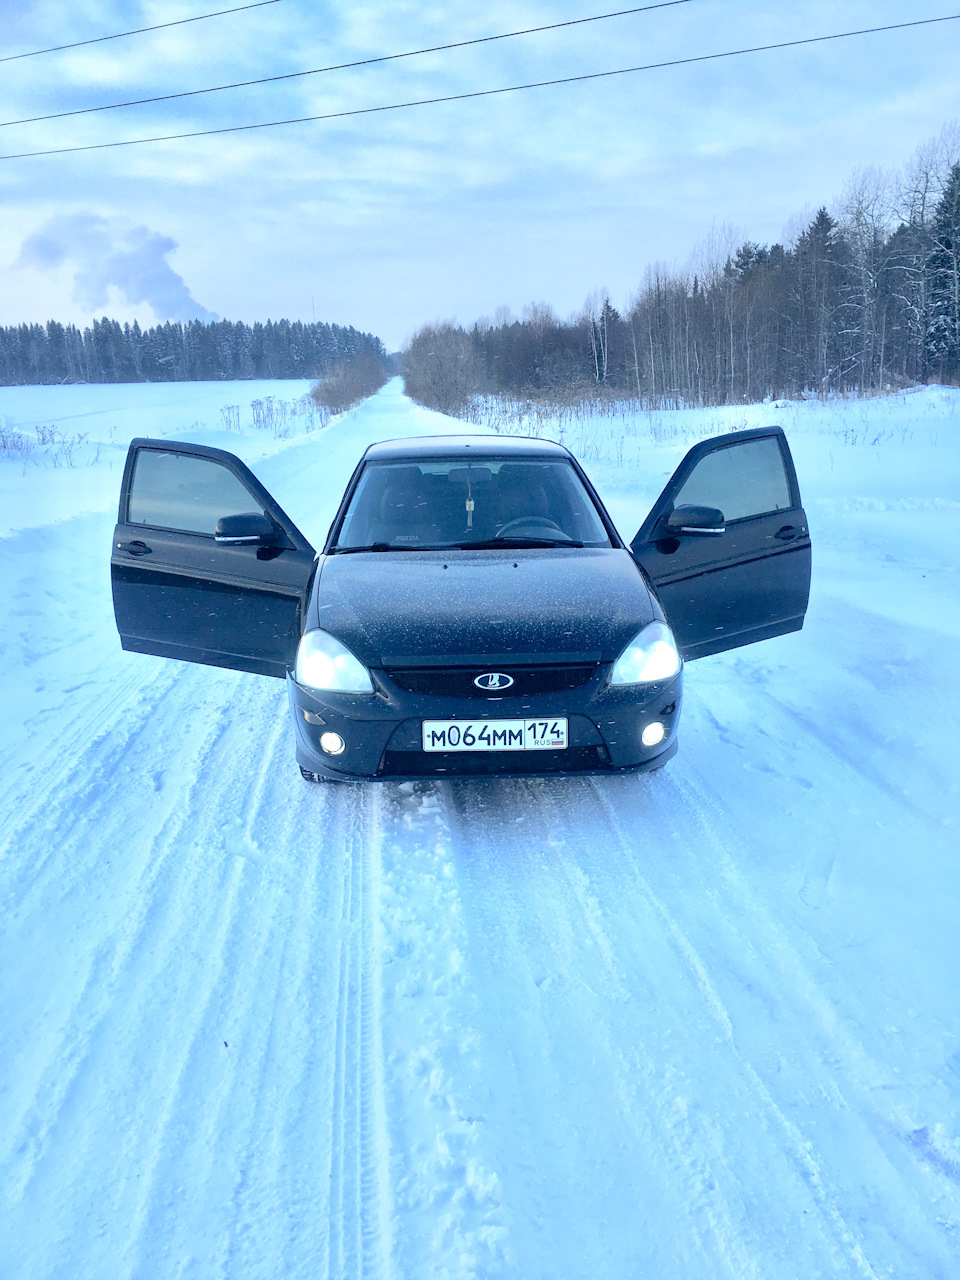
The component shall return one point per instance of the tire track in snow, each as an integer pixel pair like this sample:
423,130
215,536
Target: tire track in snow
59,860
164,960
689,1136
799,1149
646,1055
816,1050
360,1242
135,1019
222,1146
613,1100
804,1057
144,771
450,1220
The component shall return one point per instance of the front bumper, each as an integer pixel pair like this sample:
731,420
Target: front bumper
382,730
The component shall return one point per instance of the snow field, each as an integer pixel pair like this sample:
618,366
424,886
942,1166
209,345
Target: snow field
692,1025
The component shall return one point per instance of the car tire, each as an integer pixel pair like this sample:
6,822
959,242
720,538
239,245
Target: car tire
309,776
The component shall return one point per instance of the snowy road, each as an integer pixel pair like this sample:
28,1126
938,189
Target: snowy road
697,1024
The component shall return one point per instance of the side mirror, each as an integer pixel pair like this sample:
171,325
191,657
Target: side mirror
698,521
251,527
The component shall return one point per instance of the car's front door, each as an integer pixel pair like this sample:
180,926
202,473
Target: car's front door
205,566
726,545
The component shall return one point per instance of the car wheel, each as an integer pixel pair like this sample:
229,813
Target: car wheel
309,776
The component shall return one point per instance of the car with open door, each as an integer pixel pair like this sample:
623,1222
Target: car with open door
474,610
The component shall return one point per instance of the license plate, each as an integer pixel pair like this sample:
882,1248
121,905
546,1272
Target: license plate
495,735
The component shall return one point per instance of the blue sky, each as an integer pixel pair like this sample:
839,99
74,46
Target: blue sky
388,221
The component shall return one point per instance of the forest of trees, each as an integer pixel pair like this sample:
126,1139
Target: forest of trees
861,301
175,352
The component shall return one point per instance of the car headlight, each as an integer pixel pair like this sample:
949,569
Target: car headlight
324,663
650,655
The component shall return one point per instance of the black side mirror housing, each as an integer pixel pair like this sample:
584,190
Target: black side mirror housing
695,521
251,527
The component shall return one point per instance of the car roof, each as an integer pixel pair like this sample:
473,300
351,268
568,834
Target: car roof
465,446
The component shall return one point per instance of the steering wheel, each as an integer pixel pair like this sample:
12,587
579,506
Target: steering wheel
524,522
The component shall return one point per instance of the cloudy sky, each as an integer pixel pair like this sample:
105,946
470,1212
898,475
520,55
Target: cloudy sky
385,221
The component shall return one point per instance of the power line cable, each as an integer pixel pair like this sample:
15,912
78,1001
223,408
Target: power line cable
486,93
343,66
139,31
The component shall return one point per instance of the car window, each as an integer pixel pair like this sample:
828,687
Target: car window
181,491
741,480
442,501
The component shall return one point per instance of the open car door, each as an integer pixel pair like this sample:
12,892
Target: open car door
726,545
205,566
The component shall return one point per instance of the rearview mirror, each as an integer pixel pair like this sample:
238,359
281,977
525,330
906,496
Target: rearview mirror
702,521
251,527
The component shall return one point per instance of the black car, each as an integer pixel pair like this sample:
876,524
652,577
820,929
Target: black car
474,610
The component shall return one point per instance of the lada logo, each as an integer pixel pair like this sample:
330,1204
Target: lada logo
493,680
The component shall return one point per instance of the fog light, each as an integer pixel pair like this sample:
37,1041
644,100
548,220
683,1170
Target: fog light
651,735
333,744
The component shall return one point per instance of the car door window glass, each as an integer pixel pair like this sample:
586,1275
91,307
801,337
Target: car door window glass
741,480
181,491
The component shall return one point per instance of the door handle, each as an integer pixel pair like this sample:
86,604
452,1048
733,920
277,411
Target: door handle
785,534
136,548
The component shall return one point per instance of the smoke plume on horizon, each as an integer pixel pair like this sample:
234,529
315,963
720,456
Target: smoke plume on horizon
114,252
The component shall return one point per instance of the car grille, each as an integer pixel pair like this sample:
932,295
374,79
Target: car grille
457,682
452,764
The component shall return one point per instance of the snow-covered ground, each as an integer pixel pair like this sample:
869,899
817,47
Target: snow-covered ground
685,1026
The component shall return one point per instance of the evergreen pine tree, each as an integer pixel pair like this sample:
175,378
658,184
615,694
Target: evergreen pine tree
820,260
943,272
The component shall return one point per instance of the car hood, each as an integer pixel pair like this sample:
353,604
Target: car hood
421,608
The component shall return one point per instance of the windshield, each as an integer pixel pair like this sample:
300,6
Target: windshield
441,502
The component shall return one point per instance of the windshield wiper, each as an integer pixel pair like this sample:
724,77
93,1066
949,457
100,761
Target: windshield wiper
517,540
511,540
373,546
393,546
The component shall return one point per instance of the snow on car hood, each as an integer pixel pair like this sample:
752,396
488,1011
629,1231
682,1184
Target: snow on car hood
544,605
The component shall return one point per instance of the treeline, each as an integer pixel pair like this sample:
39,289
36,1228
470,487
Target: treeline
175,352
860,301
